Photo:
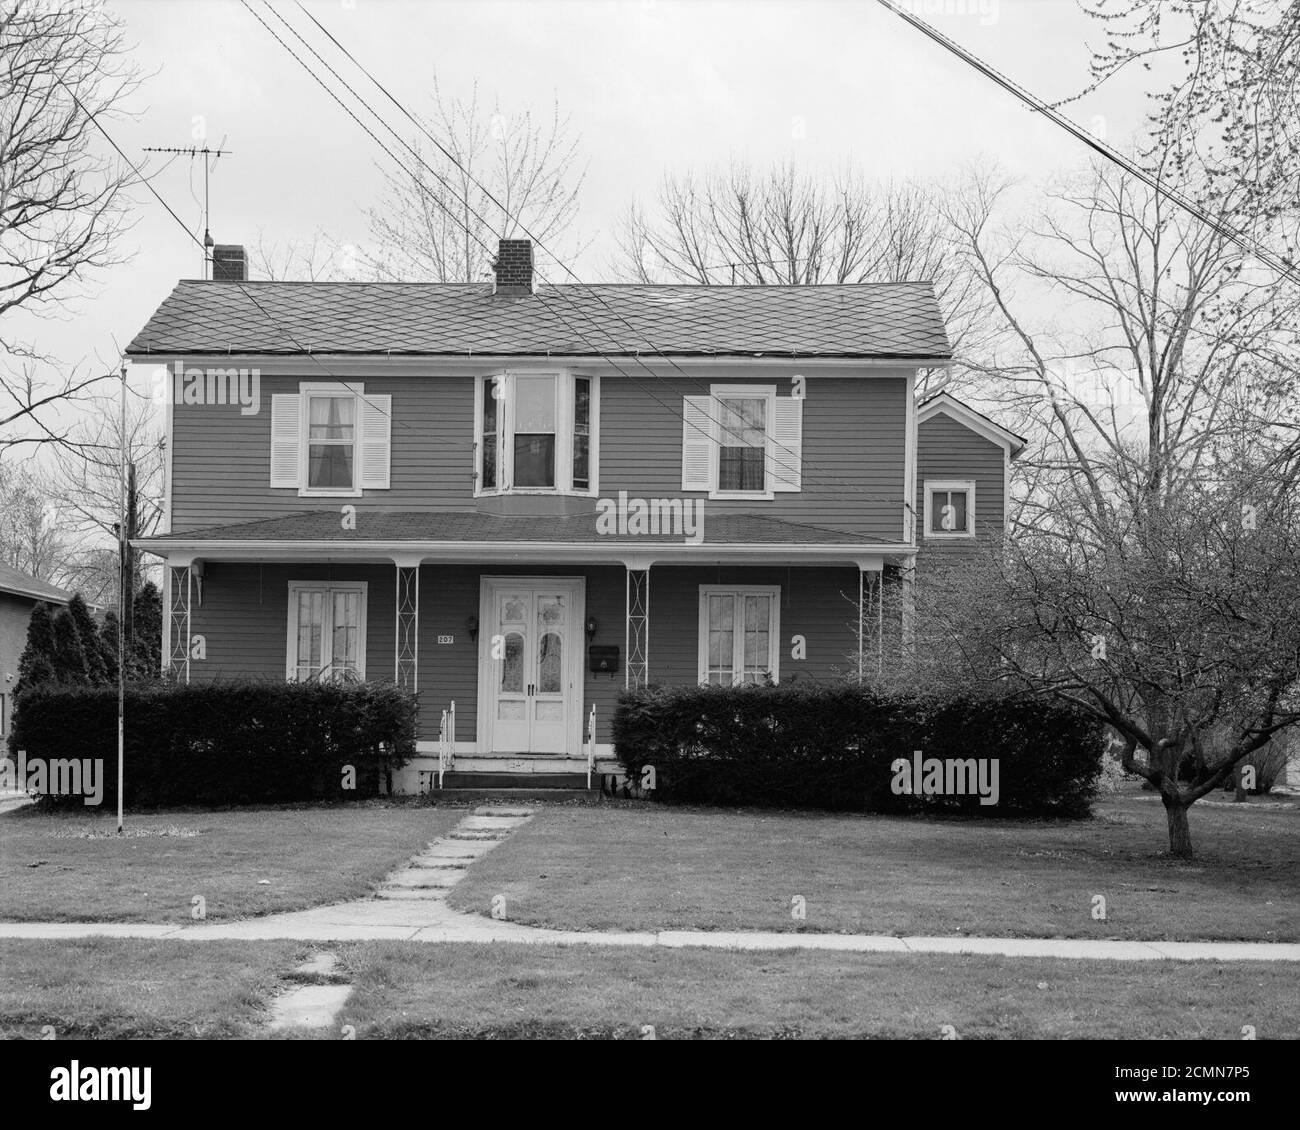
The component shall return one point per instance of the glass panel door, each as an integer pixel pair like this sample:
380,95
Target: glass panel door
548,679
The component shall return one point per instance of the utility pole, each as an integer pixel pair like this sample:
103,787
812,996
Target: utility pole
123,603
207,155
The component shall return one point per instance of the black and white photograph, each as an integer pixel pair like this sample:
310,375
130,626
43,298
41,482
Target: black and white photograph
649,520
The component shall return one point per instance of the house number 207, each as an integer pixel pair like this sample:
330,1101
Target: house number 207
446,639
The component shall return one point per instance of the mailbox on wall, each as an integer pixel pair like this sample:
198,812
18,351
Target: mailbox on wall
603,659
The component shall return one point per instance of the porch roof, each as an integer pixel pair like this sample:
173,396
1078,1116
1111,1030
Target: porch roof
458,535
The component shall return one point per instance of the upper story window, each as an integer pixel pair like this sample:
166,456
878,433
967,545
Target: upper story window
536,433
331,439
742,442
949,508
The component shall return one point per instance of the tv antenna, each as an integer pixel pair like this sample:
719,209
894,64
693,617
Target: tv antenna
207,155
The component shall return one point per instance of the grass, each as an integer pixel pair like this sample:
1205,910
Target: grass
122,988
100,988
502,991
638,866
242,862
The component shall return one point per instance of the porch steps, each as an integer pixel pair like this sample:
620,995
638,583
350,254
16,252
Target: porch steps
462,779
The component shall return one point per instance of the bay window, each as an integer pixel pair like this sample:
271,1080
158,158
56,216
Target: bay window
535,433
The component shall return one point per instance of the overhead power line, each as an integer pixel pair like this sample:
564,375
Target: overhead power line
855,493
1277,263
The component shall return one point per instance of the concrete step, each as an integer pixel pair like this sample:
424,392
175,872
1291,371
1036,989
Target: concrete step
440,864
480,793
461,779
501,810
422,877
411,894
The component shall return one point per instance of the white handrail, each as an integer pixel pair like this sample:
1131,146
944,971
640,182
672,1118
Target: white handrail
447,742
591,742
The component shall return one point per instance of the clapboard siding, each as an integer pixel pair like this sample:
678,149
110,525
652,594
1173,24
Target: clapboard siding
221,458
947,449
853,451
244,621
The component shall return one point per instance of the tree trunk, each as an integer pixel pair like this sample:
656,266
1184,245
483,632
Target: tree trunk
1180,833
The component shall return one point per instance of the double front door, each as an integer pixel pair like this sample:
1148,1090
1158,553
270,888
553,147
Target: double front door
530,664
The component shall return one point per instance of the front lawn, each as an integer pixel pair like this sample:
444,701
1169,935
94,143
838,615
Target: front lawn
101,988
408,990
641,866
70,867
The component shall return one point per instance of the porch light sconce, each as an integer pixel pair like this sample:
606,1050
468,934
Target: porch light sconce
471,626
591,627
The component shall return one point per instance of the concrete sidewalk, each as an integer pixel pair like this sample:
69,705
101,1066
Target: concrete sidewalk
377,920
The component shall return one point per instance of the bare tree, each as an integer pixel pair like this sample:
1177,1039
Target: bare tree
787,226
62,204
438,221
30,536
317,259
1171,623
1228,108
87,484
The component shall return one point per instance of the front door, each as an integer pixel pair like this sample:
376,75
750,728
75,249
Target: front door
530,664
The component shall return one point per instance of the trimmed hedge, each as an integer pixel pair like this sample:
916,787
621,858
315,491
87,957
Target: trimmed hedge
833,747
223,743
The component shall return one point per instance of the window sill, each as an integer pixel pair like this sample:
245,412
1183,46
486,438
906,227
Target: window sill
308,492
741,495
948,537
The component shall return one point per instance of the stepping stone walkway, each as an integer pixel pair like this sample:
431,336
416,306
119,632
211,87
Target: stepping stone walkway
314,1005
431,874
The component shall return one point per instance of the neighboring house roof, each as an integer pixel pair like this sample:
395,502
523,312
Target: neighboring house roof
22,584
469,527
963,413
881,320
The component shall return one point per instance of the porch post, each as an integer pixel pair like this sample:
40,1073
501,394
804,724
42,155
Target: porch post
871,633
636,669
909,605
180,598
406,647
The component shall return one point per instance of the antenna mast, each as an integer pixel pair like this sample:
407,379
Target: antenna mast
207,155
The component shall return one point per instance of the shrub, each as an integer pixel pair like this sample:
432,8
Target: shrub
834,747
223,743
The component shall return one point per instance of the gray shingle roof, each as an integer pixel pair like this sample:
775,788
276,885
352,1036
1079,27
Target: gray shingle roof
474,527
455,319
22,584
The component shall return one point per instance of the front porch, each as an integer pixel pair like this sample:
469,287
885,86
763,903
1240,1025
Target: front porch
517,658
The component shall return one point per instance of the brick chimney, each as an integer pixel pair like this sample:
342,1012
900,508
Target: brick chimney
513,268
229,263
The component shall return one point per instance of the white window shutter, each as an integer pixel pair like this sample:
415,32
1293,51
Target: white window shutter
786,443
376,441
286,440
697,443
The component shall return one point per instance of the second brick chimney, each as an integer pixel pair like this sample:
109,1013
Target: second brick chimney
514,268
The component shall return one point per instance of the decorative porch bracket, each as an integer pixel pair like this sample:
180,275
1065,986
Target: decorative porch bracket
636,671
179,603
406,661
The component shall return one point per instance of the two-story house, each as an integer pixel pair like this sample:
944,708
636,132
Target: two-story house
522,498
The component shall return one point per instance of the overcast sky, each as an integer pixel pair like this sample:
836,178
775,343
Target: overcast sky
649,86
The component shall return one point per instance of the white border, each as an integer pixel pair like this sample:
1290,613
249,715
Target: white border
290,650
932,485
774,632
